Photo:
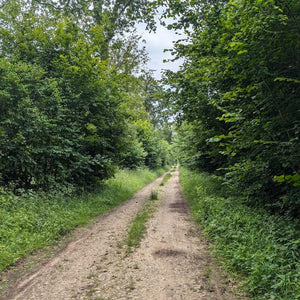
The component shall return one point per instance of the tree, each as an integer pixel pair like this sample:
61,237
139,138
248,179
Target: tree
239,88
70,94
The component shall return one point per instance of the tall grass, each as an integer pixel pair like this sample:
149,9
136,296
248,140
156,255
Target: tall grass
33,221
263,249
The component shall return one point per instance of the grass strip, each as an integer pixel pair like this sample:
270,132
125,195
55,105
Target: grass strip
263,249
138,227
36,220
139,224
165,179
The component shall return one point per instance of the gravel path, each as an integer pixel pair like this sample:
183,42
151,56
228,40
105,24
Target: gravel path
172,261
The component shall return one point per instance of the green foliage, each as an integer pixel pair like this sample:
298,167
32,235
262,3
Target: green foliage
264,249
68,96
35,149
237,95
157,150
35,220
194,150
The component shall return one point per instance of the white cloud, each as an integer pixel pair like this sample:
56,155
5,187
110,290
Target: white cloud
156,42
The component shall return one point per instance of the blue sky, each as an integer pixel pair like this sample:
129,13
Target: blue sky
155,45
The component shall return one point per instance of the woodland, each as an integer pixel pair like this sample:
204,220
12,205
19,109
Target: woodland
76,101
77,104
73,108
237,96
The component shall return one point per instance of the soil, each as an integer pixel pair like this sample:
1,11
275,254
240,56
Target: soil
172,262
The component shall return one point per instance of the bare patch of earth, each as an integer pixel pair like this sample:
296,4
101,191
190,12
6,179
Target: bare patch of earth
172,262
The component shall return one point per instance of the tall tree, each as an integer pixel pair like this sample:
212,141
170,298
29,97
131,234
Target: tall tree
70,96
239,88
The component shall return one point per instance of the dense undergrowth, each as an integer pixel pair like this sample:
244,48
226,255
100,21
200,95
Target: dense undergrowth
35,220
263,249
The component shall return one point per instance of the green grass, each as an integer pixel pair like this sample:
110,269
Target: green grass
35,221
165,179
138,227
153,195
139,224
263,249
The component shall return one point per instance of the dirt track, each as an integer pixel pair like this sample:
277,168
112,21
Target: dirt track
171,263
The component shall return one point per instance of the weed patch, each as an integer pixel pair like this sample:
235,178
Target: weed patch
264,249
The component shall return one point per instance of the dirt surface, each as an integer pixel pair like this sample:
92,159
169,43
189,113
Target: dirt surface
172,261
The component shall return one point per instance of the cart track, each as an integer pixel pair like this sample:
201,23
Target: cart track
172,262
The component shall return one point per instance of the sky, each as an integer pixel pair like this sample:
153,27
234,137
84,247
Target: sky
155,45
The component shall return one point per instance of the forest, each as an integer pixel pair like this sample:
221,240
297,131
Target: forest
237,96
78,104
73,108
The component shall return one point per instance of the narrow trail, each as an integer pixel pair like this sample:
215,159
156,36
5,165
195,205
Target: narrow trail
172,262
